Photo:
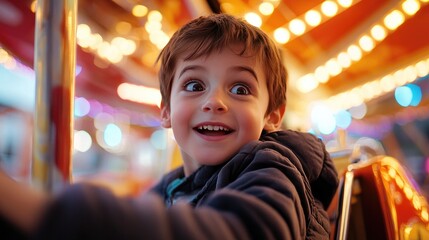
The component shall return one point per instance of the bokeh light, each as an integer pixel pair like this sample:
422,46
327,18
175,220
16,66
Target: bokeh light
343,119
358,112
112,135
82,141
81,107
408,95
158,139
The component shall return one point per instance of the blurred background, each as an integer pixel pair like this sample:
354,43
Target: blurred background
358,73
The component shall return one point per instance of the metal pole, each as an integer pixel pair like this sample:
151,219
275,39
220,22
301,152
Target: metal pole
54,64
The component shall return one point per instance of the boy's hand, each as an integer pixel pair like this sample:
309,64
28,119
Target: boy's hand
20,204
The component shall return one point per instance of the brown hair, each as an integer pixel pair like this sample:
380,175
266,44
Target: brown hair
203,35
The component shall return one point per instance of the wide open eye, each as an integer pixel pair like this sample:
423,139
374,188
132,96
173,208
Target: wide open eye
240,89
194,86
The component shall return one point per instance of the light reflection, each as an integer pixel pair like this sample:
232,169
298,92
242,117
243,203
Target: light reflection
329,8
366,43
392,173
354,52
154,15
4,56
415,199
321,74
323,119
410,7
408,192
253,19
139,10
344,60
307,83
82,141
266,8
416,202
81,107
333,67
313,18
424,214
297,27
345,3
343,119
394,19
139,94
281,35
378,32
408,95
399,182
112,135
403,96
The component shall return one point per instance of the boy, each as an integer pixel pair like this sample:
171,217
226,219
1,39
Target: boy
223,87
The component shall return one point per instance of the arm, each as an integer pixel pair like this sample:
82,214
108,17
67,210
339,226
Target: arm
251,207
84,211
20,204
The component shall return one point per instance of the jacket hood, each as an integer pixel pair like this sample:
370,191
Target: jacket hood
315,161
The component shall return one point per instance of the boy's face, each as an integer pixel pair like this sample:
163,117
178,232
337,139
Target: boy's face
218,104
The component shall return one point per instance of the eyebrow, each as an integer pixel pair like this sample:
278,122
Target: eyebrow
190,67
246,69
235,68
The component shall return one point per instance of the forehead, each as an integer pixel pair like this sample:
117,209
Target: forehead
234,54
199,49
222,63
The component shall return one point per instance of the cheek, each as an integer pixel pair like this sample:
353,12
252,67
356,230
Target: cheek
178,127
181,115
253,119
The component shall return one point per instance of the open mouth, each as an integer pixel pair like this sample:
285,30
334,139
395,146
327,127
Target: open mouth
213,130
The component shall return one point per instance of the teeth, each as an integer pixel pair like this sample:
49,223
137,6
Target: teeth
213,128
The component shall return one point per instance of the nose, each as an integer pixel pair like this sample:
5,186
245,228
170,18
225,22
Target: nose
215,102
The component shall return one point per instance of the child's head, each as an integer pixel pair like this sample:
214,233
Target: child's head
205,35
222,83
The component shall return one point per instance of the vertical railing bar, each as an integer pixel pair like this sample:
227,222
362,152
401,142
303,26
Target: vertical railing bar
54,64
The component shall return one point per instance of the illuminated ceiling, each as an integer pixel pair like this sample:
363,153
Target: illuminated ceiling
406,44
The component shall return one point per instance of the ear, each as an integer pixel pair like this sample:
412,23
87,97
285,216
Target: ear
274,119
165,116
